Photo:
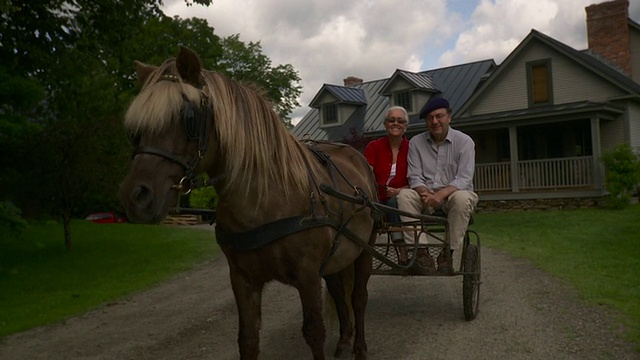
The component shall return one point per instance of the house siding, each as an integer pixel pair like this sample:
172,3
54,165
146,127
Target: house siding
508,94
571,83
326,98
611,133
634,126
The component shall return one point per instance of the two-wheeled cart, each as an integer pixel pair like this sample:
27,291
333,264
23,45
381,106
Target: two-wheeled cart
429,255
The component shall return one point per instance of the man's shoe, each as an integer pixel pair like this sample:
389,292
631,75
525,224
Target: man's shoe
445,261
425,262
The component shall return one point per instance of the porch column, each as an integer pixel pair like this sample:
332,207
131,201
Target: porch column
598,168
513,150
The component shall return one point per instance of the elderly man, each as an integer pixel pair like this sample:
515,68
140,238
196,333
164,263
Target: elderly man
441,164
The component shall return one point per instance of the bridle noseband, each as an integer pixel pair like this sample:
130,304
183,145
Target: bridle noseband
196,123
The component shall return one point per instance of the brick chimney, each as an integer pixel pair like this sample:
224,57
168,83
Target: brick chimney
608,32
352,80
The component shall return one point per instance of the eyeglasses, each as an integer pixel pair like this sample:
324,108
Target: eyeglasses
396,120
436,116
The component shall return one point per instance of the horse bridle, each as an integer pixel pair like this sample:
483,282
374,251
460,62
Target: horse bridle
196,123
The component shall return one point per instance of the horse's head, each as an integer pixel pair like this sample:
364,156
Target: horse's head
169,124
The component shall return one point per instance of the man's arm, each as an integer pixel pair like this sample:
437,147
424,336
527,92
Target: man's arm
466,166
414,165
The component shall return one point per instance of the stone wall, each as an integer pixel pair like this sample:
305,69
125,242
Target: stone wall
538,204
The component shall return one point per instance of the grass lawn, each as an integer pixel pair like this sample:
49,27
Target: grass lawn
42,283
596,250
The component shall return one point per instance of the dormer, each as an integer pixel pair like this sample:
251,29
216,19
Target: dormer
409,90
336,103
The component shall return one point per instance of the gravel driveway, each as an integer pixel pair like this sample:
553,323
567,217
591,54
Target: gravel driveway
524,314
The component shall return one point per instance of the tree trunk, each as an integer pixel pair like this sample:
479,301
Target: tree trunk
66,221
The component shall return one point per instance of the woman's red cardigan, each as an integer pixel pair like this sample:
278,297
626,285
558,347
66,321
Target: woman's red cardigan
379,156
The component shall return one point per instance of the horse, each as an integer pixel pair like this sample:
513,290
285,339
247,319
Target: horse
273,221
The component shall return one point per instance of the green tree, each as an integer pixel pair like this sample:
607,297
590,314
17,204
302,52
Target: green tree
247,63
66,80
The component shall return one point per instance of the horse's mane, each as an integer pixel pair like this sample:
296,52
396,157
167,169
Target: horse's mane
254,144
159,102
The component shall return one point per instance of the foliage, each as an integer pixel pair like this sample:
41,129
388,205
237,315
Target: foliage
204,198
246,63
67,78
622,169
38,278
10,218
356,140
595,250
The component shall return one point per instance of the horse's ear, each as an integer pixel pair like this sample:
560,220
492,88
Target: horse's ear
143,71
189,66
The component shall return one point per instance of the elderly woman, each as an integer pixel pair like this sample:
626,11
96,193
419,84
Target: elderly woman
388,158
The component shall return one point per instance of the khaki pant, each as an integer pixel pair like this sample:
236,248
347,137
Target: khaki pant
458,206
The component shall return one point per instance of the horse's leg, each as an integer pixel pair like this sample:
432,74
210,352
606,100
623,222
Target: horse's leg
312,326
248,300
336,288
359,298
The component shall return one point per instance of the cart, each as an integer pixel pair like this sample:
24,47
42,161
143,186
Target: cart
386,253
433,229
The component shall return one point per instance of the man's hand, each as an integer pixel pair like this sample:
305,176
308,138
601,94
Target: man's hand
426,195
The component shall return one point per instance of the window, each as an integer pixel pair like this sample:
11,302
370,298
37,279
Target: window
539,81
329,114
403,98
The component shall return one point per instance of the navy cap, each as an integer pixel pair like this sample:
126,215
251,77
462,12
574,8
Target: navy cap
433,104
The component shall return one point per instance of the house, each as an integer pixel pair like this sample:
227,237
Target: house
540,120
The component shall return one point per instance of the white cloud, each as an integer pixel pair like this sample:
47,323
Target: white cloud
328,40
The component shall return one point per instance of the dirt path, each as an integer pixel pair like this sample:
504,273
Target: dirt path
524,314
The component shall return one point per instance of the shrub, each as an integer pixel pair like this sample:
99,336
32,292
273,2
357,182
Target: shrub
622,175
204,198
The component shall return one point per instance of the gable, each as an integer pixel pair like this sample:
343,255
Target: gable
571,82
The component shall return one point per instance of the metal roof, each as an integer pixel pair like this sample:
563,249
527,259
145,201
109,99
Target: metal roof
456,83
343,94
420,81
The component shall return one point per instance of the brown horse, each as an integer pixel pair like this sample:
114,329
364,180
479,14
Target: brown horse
273,222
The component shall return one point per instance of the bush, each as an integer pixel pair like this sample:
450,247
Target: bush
622,175
203,198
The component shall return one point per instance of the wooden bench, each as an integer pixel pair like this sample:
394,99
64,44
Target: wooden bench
188,219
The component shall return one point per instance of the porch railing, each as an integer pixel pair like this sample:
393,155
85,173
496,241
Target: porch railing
536,174
492,177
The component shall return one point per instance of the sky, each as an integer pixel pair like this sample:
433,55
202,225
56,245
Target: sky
329,40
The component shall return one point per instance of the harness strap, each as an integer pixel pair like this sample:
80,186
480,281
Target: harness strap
265,234
326,161
161,153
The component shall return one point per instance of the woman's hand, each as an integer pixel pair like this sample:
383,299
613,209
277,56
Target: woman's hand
391,192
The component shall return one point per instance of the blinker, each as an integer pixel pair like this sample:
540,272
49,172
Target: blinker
191,121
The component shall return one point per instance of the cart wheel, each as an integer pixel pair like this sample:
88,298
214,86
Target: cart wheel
471,282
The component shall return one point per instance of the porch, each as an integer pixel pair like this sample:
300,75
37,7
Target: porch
570,176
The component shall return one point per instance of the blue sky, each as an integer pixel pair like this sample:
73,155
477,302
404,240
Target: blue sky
328,40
